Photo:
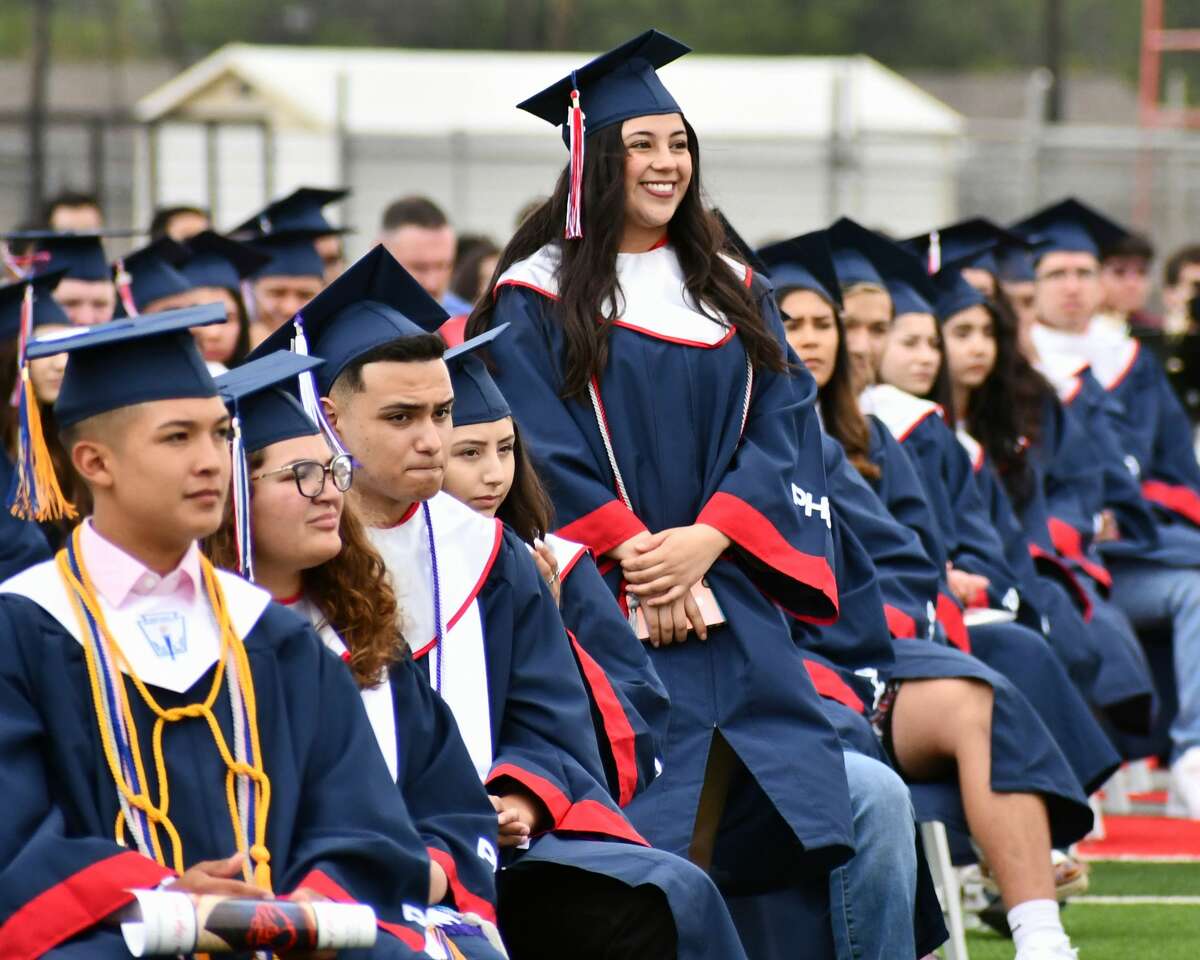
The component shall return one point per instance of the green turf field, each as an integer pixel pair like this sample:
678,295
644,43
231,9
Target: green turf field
1124,931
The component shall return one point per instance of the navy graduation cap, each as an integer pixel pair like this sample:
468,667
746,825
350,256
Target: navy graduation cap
262,396
953,293
213,260
1069,225
805,261
477,398
298,212
109,366
1014,265
79,255
967,243
854,249
905,277
289,254
148,274
372,303
613,87
46,311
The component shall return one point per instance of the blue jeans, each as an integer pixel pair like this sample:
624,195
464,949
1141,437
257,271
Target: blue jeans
872,897
1156,596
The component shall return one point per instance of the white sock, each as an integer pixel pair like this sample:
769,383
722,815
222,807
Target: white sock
1036,920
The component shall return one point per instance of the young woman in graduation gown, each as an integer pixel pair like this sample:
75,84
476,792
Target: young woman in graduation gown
1006,413
999,745
310,551
129,631
490,470
647,372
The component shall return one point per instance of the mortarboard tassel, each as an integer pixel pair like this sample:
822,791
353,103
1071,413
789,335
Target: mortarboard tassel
935,253
125,289
241,499
37,495
575,125
309,398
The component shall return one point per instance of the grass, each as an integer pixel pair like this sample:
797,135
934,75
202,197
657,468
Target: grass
1119,931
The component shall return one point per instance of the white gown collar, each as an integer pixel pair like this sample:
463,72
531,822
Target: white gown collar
899,411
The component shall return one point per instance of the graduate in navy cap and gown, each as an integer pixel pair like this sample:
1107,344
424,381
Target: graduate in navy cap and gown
387,398
1158,588
164,722
287,230
660,435
216,267
291,532
149,280
86,291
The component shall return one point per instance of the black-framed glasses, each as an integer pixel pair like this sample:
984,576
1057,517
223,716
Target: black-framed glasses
310,475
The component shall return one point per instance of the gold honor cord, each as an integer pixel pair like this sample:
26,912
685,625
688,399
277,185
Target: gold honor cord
83,596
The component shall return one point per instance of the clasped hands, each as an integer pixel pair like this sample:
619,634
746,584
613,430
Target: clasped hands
661,569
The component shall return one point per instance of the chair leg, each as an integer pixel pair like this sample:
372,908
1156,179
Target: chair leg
937,851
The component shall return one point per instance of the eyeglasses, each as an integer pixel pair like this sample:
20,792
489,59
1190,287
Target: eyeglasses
310,475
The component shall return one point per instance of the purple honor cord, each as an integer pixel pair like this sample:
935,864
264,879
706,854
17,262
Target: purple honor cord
437,595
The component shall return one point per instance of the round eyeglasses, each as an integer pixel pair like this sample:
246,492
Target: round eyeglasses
310,475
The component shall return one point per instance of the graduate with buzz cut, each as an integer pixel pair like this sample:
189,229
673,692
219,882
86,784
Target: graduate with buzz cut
162,722
482,624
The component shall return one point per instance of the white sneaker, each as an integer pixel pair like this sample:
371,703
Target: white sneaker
1058,949
1184,798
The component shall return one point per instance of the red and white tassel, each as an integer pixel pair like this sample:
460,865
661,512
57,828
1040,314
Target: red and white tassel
125,289
935,253
575,125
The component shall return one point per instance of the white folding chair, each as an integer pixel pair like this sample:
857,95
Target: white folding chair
937,852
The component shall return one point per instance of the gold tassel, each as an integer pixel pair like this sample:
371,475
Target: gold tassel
42,487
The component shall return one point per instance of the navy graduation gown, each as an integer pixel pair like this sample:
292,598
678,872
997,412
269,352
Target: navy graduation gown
690,451
539,725
1025,757
334,822
629,702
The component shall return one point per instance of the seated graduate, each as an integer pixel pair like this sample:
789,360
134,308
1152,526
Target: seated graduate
489,469
873,896
518,700
215,267
163,721
1016,789
296,538
25,306
1154,587
1005,411
951,517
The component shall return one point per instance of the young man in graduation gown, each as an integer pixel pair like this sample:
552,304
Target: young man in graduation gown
162,723
1160,586
517,699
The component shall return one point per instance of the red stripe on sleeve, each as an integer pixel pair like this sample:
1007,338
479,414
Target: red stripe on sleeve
617,729
80,901
464,899
1180,500
950,617
832,687
604,528
900,624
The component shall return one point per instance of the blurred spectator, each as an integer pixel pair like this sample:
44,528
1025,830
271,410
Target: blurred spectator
1181,283
179,223
473,267
1125,278
74,211
333,255
418,235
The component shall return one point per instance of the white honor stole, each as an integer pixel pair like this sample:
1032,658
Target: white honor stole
465,545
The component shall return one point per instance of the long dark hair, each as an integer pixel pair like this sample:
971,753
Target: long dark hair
527,508
1004,413
840,414
587,275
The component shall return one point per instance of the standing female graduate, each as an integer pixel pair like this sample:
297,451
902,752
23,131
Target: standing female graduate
162,721
1005,770
978,573
1001,405
576,874
301,543
647,372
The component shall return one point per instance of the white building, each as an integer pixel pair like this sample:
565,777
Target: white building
788,142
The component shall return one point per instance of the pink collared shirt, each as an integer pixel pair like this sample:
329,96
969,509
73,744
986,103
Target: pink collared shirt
118,576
